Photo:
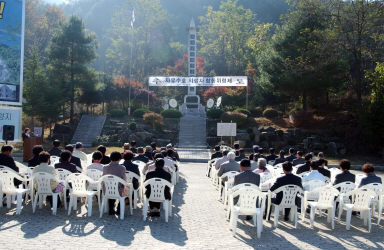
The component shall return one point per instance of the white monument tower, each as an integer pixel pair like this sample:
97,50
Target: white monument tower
191,100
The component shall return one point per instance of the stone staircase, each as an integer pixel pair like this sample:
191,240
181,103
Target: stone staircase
89,129
192,138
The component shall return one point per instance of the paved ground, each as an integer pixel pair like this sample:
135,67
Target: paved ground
198,223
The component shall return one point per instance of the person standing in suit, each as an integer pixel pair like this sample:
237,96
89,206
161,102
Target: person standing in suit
130,166
65,158
306,167
287,179
26,134
217,153
299,160
159,172
141,156
55,150
34,161
106,160
231,165
114,168
369,171
74,159
345,175
246,175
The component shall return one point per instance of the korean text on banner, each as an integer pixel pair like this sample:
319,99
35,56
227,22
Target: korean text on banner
227,81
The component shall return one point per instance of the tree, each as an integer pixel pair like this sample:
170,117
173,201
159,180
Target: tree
70,51
359,28
223,37
43,100
300,61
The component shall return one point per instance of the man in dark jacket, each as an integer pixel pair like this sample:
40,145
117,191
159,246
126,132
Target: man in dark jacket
34,161
299,160
344,165
7,161
75,160
306,167
241,155
65,158
128,156
272,156
287,179
141,156
55,150
106,160
369,170
322,170
280,159
159,172
292,155
217,153
246,175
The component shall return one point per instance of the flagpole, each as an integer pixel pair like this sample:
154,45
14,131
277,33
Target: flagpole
130,64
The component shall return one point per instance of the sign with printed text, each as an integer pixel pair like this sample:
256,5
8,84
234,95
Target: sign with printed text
226,129
38,131
216,81
10,116
11,51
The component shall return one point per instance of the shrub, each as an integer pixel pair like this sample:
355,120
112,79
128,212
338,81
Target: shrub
244,111
270,113
214,113
132,126
237,117
171,113
117,113
257,111
153,119
138,113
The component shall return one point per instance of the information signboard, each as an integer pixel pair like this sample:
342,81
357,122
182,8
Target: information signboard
226,129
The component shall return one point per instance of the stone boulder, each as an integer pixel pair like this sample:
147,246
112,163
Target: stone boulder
141,138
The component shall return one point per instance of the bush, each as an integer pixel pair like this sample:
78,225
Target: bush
132,126
153,119
257,111
171,113
214,113
236,117
138,113
117,113
270,113
244,111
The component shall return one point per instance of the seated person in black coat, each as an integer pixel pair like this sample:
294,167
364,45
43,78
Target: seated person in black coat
217,153
292,155
299,160
236,146
241,155
287,179
344,165
320,156
271,156
148,152
128,157
75,160
133,147
322,170
369,171
141,156
65,158
306,167
7,161
159,172
34,161
255,151
280,159
55,150
106,160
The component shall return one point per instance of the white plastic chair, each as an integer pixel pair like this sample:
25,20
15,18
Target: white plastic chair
8,188
43,181
234,189
334,172
230,174
361,202
111,191
79,189
344,187
326,201
54,159
130,175
309,194
378,188
265,176
228,185
157,195
290,192
251,201
95,175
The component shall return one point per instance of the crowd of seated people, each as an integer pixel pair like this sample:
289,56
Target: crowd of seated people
307,169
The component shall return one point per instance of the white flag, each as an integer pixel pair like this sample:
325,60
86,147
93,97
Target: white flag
133,18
